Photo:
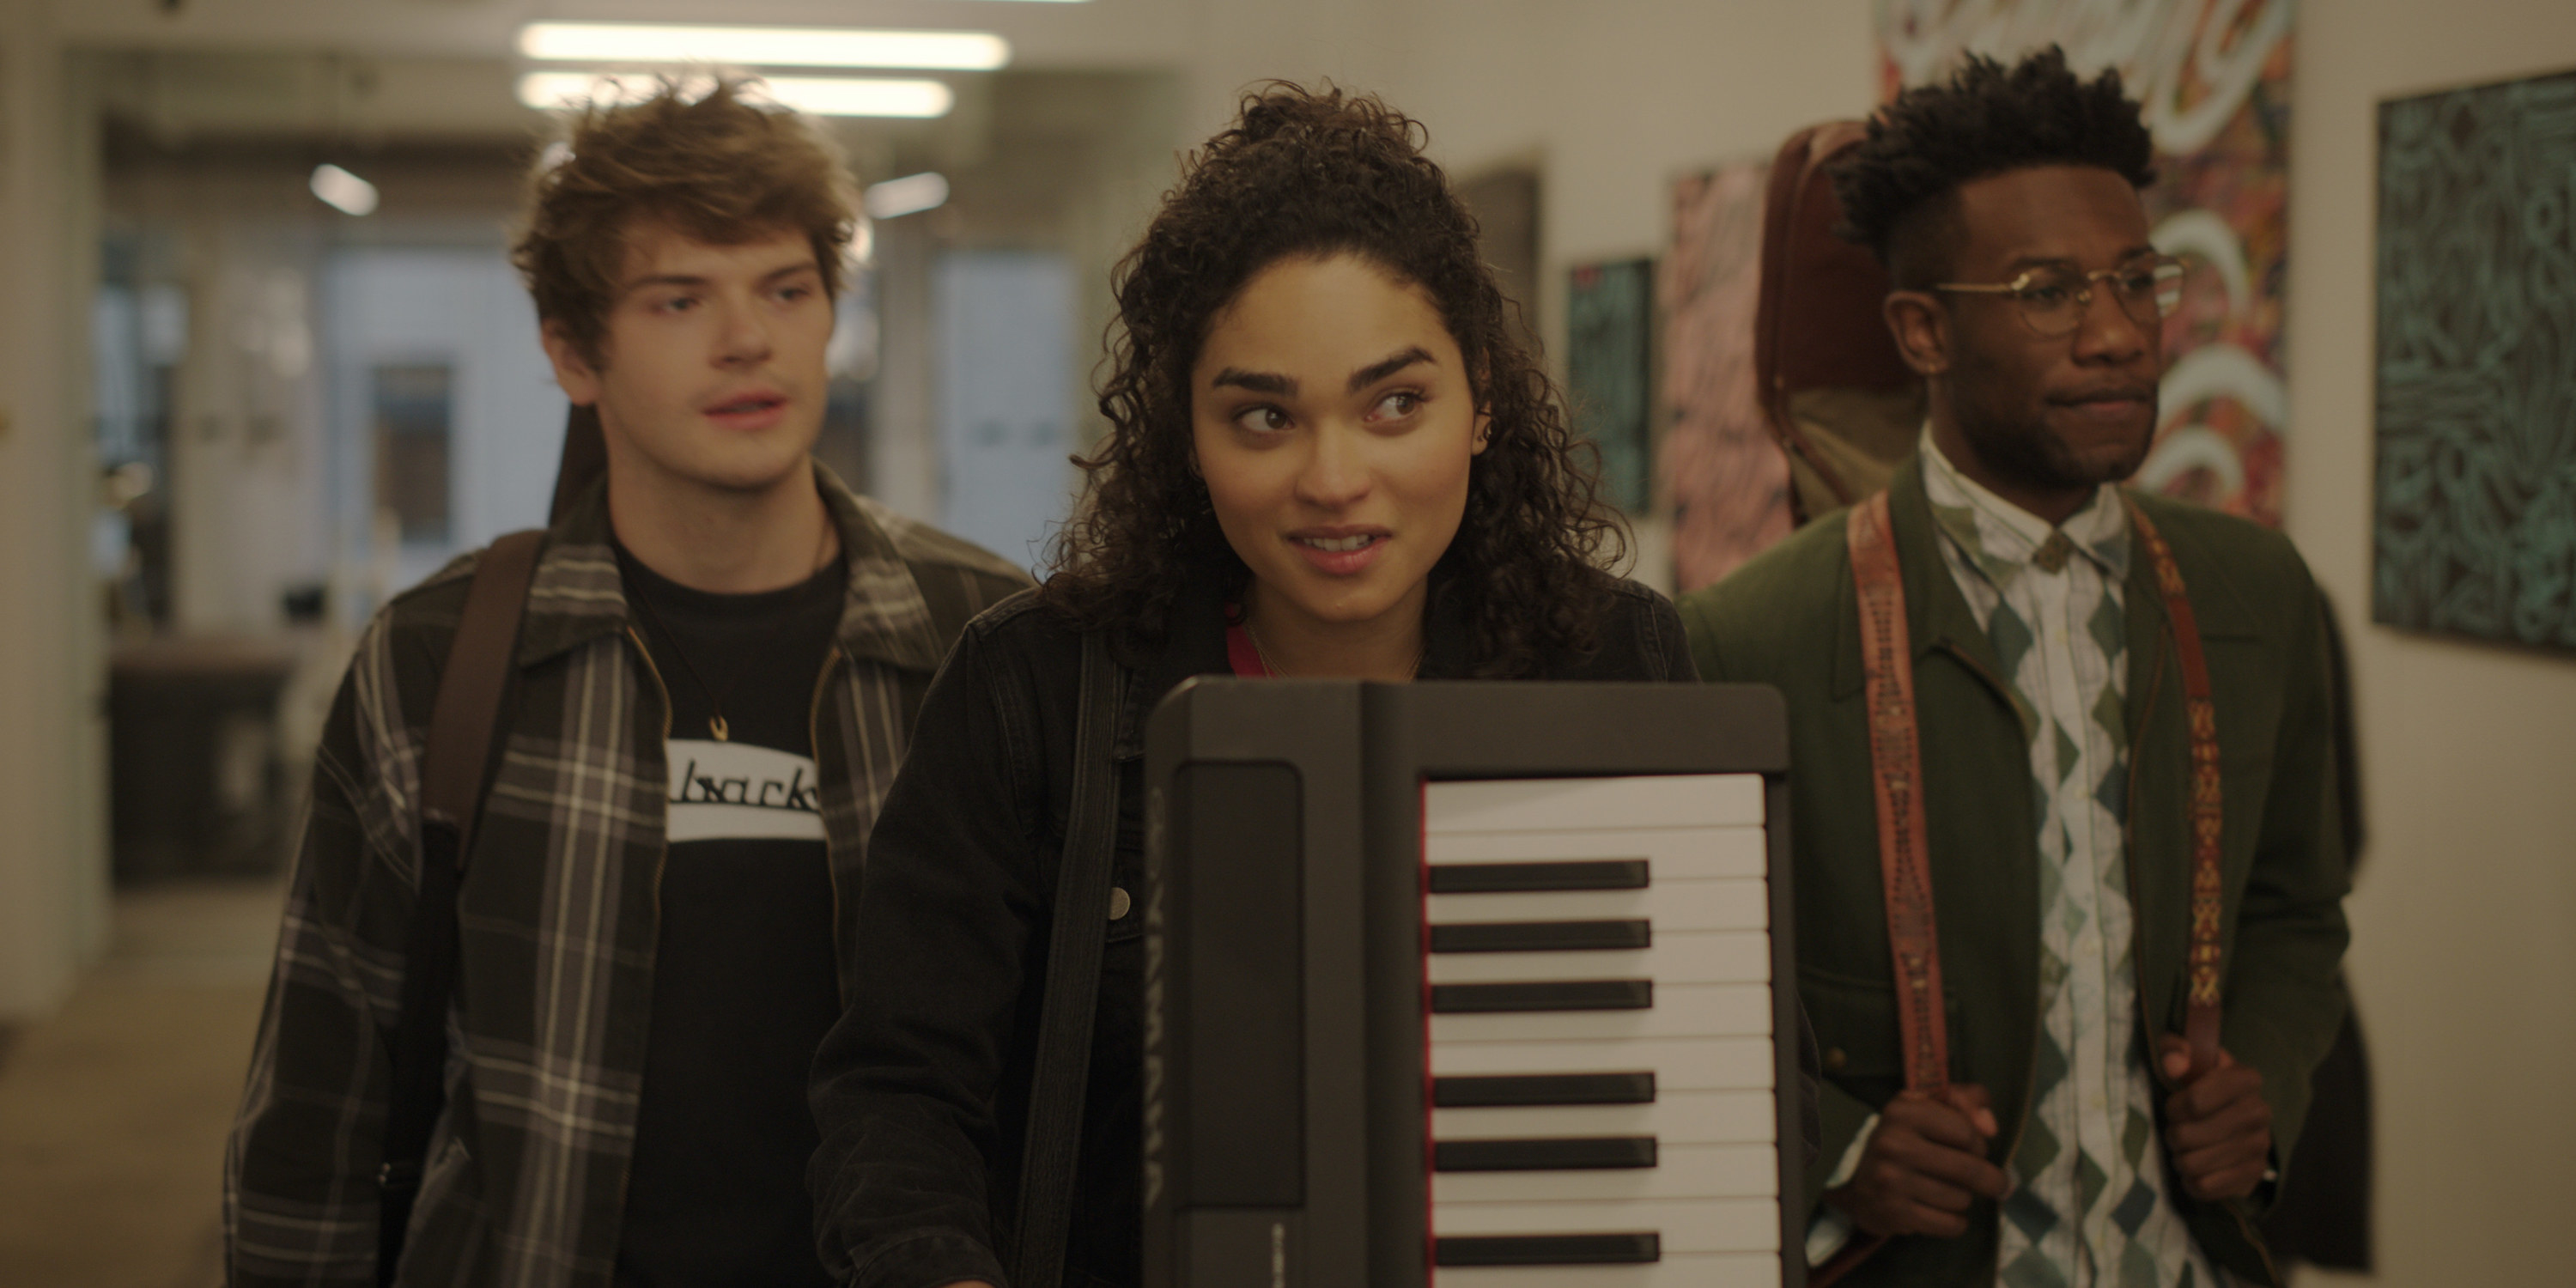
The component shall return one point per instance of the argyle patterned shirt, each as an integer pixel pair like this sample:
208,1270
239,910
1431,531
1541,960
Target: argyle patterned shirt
2089,1202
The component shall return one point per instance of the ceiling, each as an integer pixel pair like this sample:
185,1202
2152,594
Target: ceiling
377,73
1101,34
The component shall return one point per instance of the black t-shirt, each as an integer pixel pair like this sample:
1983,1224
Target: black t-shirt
745,976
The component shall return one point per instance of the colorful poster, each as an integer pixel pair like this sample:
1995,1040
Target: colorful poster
2214,76
1724,474
2474,530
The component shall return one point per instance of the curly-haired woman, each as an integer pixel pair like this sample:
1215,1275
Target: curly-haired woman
1327,456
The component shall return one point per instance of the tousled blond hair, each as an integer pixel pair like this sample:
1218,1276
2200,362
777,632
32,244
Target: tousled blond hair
710,165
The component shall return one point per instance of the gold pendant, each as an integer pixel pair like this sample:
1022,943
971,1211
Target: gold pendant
716,726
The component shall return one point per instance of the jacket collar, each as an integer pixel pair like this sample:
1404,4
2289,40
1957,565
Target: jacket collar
577,596
1937,616
1194,644
2218,609
2000,539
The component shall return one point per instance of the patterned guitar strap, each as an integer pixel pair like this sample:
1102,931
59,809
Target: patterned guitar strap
1896,767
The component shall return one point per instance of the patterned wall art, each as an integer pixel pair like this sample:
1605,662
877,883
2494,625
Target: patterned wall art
1724,475
1609,364
2475,524
2214,76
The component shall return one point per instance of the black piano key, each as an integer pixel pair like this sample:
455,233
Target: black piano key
1544,995
1508,878
1541,936
1547,1249
1517,1089
1553,1154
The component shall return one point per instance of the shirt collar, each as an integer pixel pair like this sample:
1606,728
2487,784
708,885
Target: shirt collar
2001,538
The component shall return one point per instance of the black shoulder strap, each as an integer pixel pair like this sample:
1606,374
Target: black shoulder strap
471,689
1079,933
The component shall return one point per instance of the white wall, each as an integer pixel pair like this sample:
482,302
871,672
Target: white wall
460,307
2464,926
1004,323
246,452
52,828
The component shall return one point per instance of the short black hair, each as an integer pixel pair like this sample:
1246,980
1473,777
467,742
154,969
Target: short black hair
1987,119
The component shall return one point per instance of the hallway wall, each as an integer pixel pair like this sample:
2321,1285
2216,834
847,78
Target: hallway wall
53,853
2463,960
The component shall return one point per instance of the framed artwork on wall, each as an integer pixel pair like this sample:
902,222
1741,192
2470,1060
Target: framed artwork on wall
1609,361
1728,479
2474,510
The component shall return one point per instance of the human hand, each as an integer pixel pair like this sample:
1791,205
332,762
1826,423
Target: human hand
1924,1165
2217,1123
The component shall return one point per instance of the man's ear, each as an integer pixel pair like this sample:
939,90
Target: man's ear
573,371
1921,328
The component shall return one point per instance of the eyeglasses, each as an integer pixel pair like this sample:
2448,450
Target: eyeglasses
2053,300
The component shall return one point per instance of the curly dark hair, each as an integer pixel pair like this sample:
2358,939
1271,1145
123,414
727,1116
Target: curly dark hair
1986,120
1311,174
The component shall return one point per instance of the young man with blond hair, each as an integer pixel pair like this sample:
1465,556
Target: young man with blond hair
720,658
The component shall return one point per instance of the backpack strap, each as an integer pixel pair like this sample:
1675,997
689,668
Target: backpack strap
2201,1012
1896,771
472,688
1904,864
1077,936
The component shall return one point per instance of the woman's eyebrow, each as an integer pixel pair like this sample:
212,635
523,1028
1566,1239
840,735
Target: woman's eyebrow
1377,371
1259,382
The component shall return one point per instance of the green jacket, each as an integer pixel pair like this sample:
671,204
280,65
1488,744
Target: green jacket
1788,619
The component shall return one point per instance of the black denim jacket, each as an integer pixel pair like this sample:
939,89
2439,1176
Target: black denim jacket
921,1089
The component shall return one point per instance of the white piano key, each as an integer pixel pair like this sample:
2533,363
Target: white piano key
1685,1225
1680,1172
1686,1270
1680,1010
1661,800
1702,1063
1671,854
1740,903
1674,1118
1677,957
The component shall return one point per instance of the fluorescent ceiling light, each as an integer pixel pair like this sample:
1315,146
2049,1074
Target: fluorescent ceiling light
349,193
636,42
909,195
818,95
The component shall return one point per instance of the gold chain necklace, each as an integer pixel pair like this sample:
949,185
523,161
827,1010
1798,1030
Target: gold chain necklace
715,701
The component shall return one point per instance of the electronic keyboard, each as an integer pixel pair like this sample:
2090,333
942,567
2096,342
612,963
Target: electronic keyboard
1472,985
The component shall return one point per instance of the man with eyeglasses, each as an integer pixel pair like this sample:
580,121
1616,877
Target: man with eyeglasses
2068,877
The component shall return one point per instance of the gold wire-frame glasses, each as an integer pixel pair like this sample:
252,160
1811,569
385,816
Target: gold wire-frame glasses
2052,299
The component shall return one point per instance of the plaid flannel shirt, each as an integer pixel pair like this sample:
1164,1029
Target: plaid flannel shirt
558,912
